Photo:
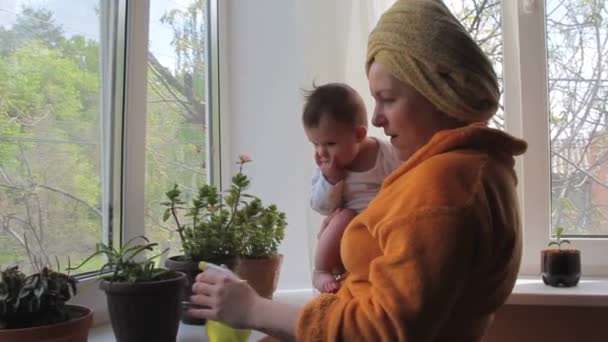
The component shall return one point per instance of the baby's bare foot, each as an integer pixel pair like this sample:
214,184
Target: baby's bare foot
325,282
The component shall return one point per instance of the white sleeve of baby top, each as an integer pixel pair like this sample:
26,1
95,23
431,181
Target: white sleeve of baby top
389,157
325,197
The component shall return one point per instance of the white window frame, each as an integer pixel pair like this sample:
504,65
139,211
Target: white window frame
526,116
125,103
124,197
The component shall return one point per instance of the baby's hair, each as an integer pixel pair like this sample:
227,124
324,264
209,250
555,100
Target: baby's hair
337,101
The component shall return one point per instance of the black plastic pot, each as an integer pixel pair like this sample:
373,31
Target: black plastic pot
190,269
145,311
561,268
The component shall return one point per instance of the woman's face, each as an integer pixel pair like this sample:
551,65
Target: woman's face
406,116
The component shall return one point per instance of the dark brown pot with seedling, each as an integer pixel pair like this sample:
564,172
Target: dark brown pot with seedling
144,301
560,267
33,308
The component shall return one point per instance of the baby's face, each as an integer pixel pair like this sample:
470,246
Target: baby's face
335,141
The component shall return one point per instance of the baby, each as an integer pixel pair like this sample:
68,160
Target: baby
351,168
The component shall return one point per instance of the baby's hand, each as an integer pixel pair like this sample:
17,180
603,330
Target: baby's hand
330,170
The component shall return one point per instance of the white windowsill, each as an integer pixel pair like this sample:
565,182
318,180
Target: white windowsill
187,333
527,291
532,291
195,333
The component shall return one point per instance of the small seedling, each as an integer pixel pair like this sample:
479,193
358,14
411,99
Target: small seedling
560,241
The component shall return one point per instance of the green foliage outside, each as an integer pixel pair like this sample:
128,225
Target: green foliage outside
50,134
49,123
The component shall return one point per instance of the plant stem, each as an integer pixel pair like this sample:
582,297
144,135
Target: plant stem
179,226
236,201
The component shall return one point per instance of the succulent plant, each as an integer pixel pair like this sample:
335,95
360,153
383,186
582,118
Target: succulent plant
233,224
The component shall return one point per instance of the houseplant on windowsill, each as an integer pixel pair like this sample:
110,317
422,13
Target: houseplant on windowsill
205,231
262,229
234,229
560,267
33,308
144,301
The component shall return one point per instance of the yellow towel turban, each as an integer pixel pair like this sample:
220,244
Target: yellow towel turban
422,44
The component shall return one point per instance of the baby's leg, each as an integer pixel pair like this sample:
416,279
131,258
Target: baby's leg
327,257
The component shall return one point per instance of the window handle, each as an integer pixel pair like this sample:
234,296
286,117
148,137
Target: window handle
528,6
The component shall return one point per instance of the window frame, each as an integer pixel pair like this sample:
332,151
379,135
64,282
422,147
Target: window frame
526,116
125,113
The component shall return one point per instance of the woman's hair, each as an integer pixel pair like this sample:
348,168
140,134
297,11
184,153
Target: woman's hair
337,101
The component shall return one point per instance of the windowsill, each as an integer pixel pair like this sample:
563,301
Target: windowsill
186,333
532,291
196,333
527,291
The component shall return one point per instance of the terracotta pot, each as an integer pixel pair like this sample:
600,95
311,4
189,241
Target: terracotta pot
74,330
261,274
190,269
561,267
147,311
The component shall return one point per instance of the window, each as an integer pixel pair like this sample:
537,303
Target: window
52,132
558,104
90,137
577,35
177,129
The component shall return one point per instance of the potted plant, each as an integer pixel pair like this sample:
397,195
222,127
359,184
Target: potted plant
234,229
262,229
206,234
143,300
560,267
33,308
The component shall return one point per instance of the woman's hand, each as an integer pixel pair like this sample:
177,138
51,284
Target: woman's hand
225,298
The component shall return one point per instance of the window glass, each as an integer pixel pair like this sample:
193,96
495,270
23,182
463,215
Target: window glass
50,132
577,34
177,148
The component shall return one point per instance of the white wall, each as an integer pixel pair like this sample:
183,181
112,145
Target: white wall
270,51
262,104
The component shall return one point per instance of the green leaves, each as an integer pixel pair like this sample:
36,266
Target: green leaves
34,300
126,263
236,224
558,235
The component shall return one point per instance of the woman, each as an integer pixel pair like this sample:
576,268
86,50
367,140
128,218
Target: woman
443,239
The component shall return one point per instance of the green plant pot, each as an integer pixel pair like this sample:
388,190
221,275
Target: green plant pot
74,330
561,267
147,311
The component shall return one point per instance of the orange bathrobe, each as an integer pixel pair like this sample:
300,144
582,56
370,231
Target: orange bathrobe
435,253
